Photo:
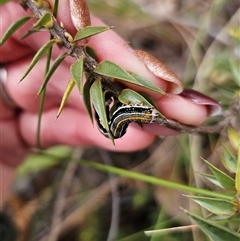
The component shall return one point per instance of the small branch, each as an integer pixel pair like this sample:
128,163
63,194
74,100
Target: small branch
230,118
77,51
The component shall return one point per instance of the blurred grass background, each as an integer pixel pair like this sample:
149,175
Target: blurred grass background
63,200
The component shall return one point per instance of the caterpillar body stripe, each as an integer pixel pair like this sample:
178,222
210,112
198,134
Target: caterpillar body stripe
123,116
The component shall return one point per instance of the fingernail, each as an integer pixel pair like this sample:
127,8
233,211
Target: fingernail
160,70
79,13
213,107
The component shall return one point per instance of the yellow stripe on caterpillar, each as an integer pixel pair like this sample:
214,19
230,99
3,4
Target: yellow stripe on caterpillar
126,114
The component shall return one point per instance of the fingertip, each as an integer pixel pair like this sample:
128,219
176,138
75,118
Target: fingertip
182,110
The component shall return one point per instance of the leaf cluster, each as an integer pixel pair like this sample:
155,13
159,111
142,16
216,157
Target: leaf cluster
227,211
103,82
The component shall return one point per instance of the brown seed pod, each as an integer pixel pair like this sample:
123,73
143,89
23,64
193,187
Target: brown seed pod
79,13
160,70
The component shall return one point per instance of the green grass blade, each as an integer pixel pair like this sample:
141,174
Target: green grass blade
41,105
13,28
153,180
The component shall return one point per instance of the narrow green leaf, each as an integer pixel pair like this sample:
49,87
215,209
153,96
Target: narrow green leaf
45,21
226,181
147,84
91,52
98,101
86,97
234,138
13,28
51,71
212,179
32,31
66,94
44,160
218,206
214,231
229,160
111,69
237,181
77,73
46,47
90,31
132,97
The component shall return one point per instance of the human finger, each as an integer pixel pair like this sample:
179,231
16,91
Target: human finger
74,128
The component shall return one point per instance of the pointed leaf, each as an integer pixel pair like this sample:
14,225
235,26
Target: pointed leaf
39,55
234,138
220,207
32,31
214,231
51,71
45,21
91,52
110,69
237,181
90,31
147,84
98,101
13,28
226,181
132,97
229,160
212,179
66,94
86,97
77,73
